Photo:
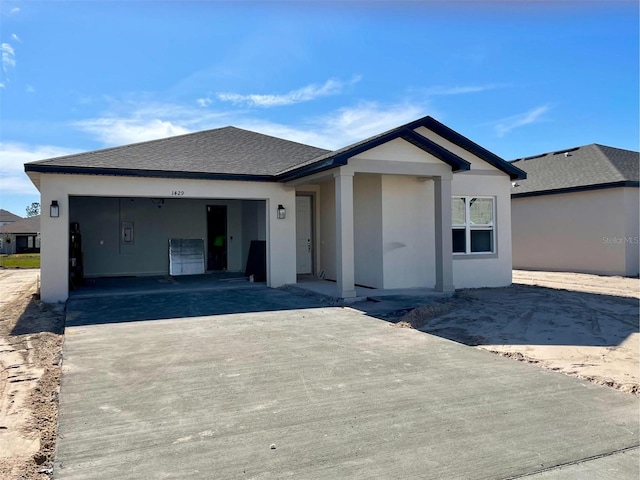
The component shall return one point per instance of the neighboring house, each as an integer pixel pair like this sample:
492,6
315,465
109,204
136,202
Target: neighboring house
577,211
7,217
377,213
22,236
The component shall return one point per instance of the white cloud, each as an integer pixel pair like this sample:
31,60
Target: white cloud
131,122
140,122
8,56
204,102
30,89
304,94
15,37
122,131
14,10
442,90
507,124
342,127
13,180
2,85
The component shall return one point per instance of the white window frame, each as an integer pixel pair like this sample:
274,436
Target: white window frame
468,226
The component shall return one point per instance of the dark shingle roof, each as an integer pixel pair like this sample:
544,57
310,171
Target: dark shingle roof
234,153
227,150
7,216
581,168
24,225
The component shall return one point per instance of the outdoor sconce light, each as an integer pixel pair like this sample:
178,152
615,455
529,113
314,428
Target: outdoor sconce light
54,209
282,213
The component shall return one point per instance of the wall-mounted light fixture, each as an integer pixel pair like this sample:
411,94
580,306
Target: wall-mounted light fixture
282,213
54,209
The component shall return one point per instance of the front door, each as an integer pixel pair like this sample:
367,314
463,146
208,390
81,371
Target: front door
304,235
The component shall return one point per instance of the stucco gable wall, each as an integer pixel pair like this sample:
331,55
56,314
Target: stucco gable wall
476,163
398,150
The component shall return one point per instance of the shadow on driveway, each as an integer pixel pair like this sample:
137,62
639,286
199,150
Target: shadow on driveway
161,306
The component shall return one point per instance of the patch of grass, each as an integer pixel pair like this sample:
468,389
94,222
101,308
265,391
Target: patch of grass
21,260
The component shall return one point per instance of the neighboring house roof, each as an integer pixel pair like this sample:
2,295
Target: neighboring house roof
233,153
7,216
589,167
23,226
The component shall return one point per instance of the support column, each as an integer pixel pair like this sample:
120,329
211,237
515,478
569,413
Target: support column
345,264
54,248
444,256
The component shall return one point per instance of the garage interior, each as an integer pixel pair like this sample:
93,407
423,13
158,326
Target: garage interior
116,237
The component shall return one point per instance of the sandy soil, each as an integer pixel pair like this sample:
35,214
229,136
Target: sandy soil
30,356
581,325
580,282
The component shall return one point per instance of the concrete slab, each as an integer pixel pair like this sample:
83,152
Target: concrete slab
317,393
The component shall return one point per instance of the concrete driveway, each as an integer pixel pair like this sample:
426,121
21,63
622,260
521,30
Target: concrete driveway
317,392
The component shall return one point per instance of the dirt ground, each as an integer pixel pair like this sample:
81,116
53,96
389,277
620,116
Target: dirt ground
577,324
30,357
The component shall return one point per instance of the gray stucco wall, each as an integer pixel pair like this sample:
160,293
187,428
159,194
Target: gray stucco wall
590,232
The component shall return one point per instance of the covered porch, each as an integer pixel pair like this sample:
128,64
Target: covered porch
383,224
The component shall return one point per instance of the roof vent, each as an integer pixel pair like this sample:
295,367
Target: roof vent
566,154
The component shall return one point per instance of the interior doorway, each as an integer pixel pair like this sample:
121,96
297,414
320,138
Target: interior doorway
216,237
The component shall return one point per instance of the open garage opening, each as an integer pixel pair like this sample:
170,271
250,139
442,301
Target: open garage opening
118,237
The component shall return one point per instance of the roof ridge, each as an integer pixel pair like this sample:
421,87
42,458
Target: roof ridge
570,149
615,148
612,165
279,138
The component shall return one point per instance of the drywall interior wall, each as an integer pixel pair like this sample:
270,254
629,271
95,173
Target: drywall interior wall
154,221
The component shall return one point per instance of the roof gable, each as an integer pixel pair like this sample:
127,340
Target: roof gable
407,132
24,225
587,167
7,216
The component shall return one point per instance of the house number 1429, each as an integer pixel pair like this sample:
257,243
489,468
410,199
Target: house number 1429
177,193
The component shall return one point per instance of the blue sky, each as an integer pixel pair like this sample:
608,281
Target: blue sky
519,78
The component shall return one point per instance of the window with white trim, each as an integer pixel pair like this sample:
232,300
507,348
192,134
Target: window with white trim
473,225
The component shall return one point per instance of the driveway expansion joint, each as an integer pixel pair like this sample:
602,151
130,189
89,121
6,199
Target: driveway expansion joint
575,462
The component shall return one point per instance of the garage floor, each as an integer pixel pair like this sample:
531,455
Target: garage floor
110,286
293,391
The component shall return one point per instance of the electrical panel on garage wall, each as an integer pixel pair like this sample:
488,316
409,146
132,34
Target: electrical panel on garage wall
126,233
